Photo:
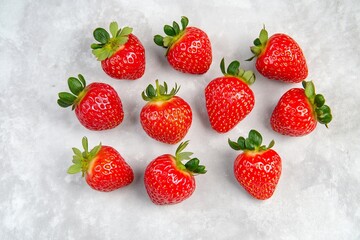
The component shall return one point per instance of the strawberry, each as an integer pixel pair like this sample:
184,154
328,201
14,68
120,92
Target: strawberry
258,168
122,56
279,57
97,106
103,167
299,110
166,117
188,49
229,98
169,181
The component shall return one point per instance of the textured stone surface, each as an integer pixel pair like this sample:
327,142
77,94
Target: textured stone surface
44,42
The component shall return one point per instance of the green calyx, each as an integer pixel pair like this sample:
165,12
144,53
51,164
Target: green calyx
234,70
159,92
259,44
82,160
251,143
192,166
107,45
77,89
173,33
322,111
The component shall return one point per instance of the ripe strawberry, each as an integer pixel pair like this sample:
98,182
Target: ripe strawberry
258,168
188,49
103,167
122,56
97,106
169,181
166,117
229,98
299,110
279,58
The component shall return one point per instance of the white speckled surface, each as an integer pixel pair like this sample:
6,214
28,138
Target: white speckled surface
44,42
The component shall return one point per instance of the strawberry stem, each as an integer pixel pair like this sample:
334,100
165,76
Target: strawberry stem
192,166
259,44
317,101
77,88
160,92
251,143
107,45
234,70
173,33
82,160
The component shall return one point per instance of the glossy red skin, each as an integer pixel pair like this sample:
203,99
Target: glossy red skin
165,184
282,59
293,115
108,171
228,101
191,53
100,108
128,62
258,173
167,121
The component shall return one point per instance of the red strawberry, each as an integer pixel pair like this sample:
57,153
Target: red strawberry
166,117
97,106
279,58
229,98
258,168
103,167
122,56
188,49
299,110
169,181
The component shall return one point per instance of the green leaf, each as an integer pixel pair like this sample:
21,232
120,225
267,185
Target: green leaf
159,40
271,144
263,37
82,80
85,145
121,40
241,142
176,27
249,76
76,159
101,35
114,28
200,169
309,89
233,68
184,155
76,168
249,145
192,164
67,97
77,152
125,31
75,85
150,91
222,66
255,138
167,41
181,147
166,87
169,30
95,150
102,53
234,145
96,46
184,22
63,104
319,100
257,42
